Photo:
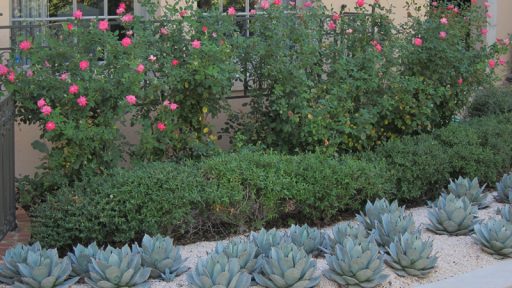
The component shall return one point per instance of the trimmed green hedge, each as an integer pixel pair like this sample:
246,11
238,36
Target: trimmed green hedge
238,192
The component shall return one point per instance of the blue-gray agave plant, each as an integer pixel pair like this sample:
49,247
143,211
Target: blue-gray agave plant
504,189
356,263
505,212
113,268
495,237
411,255
164,259
81,258
392,225
44,269
288,266
310,239
244,251
342,231
374,211
450,215
217,271
471,189
9,270
265,240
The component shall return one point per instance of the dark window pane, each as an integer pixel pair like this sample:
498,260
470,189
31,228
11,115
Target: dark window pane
60,8
91,7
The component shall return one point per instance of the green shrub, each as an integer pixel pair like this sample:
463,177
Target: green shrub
210,199
491,101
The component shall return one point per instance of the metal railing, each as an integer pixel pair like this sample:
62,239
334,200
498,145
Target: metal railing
7,188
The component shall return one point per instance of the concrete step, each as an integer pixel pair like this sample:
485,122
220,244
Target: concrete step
496,276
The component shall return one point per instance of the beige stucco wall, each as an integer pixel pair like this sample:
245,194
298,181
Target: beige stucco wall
504,22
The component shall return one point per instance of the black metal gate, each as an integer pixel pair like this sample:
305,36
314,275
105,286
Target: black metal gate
7,189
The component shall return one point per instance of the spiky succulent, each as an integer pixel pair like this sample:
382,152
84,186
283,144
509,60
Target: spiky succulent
81,258
114,268
265,240
411,255
393,225
216,270
244,251
495,237
356,264
9,270
288,266
310,239
451,216
504,189
505,212
340,232
471,189
44,269
373,212
164,259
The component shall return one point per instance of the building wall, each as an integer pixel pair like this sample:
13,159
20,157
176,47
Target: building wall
27,158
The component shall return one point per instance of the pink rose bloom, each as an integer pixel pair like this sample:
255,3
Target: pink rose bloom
349,31
502,61
292,3
332,26
175,62
252,12
103,25
164,31
443,21
64,76
506,41
70,26
265,5
84,64
151,58
277,2
3,70
492,63
460,81
442,35
360,3
434,3
120,11
78,14
231,11
183,13
455,10
487,5
126,41
81,101
488,15
50,126
40,103
131,99
335,16
46,110
12,77
25,45
308,4
196,44
29,73
173,106
204,29
214,35
46,64
73,89
140,68
417,41
127,18
161,126
484,31
129,33
450,7
122,5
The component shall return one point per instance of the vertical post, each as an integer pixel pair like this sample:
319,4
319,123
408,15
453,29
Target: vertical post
7,188
491,24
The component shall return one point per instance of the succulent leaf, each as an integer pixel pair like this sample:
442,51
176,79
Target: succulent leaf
217,271
450,215
373,212
495,237
9,270
310,239
81,258
265,240
504,189
470,189
505,212
392,225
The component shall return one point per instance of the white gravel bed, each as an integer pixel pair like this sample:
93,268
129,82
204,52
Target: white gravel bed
457,255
